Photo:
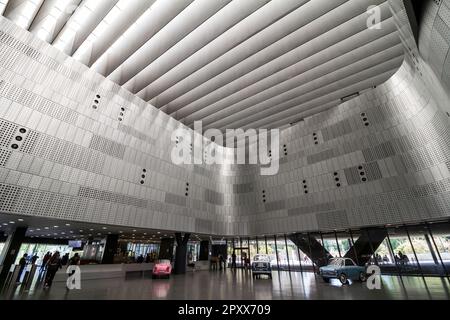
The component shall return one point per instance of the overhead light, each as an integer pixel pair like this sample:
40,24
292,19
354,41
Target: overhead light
120,231
20,219
55,227
104,228
158,232
46,228
12,222
68,224
81,230
134,230
5,224
91,229
38,229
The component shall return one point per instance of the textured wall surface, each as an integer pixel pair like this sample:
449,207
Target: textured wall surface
75,146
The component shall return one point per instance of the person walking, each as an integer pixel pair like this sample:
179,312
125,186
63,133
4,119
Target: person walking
53,264
22,264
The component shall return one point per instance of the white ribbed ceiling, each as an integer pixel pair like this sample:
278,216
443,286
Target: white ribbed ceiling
230,63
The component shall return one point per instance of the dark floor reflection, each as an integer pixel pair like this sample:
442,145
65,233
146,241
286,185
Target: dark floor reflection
238,285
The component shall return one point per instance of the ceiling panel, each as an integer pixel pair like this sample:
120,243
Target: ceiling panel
229,63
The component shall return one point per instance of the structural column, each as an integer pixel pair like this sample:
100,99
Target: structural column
112,242
204,250
181,252
166,249
10,251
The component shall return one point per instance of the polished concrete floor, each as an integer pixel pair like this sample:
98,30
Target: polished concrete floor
236,285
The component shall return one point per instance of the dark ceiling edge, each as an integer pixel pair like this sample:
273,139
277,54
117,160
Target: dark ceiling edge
414,12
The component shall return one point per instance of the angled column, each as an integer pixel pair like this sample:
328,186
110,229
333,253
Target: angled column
181,252
10,251
367,243
312,248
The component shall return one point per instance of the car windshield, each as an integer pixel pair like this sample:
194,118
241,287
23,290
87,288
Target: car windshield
261,258
163,261
336,262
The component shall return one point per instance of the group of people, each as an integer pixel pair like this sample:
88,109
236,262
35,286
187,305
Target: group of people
51,263
400,258
245,261
218,261
148,258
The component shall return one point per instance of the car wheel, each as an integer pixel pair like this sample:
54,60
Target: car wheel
327,280
343,278
363,277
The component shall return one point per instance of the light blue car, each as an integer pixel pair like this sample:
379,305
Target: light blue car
343,269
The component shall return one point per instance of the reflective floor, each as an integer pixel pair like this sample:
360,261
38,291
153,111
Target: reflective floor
238,285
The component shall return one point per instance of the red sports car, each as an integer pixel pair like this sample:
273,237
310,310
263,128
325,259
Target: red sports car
162,268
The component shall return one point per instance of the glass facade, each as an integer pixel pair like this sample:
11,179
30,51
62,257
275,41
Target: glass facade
400,250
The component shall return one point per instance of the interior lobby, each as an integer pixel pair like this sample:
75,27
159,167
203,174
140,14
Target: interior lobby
224,149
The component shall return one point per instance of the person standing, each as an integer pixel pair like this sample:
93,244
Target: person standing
53,264
74,261
233,260
45,260
22,264
65,259
34,259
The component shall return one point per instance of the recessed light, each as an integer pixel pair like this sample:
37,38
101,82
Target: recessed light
99,234
12,222
91,229
120,231
134,230
68,224
38,229
5,224
55,227
81,230
20,220
46,228
158,232
104,228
